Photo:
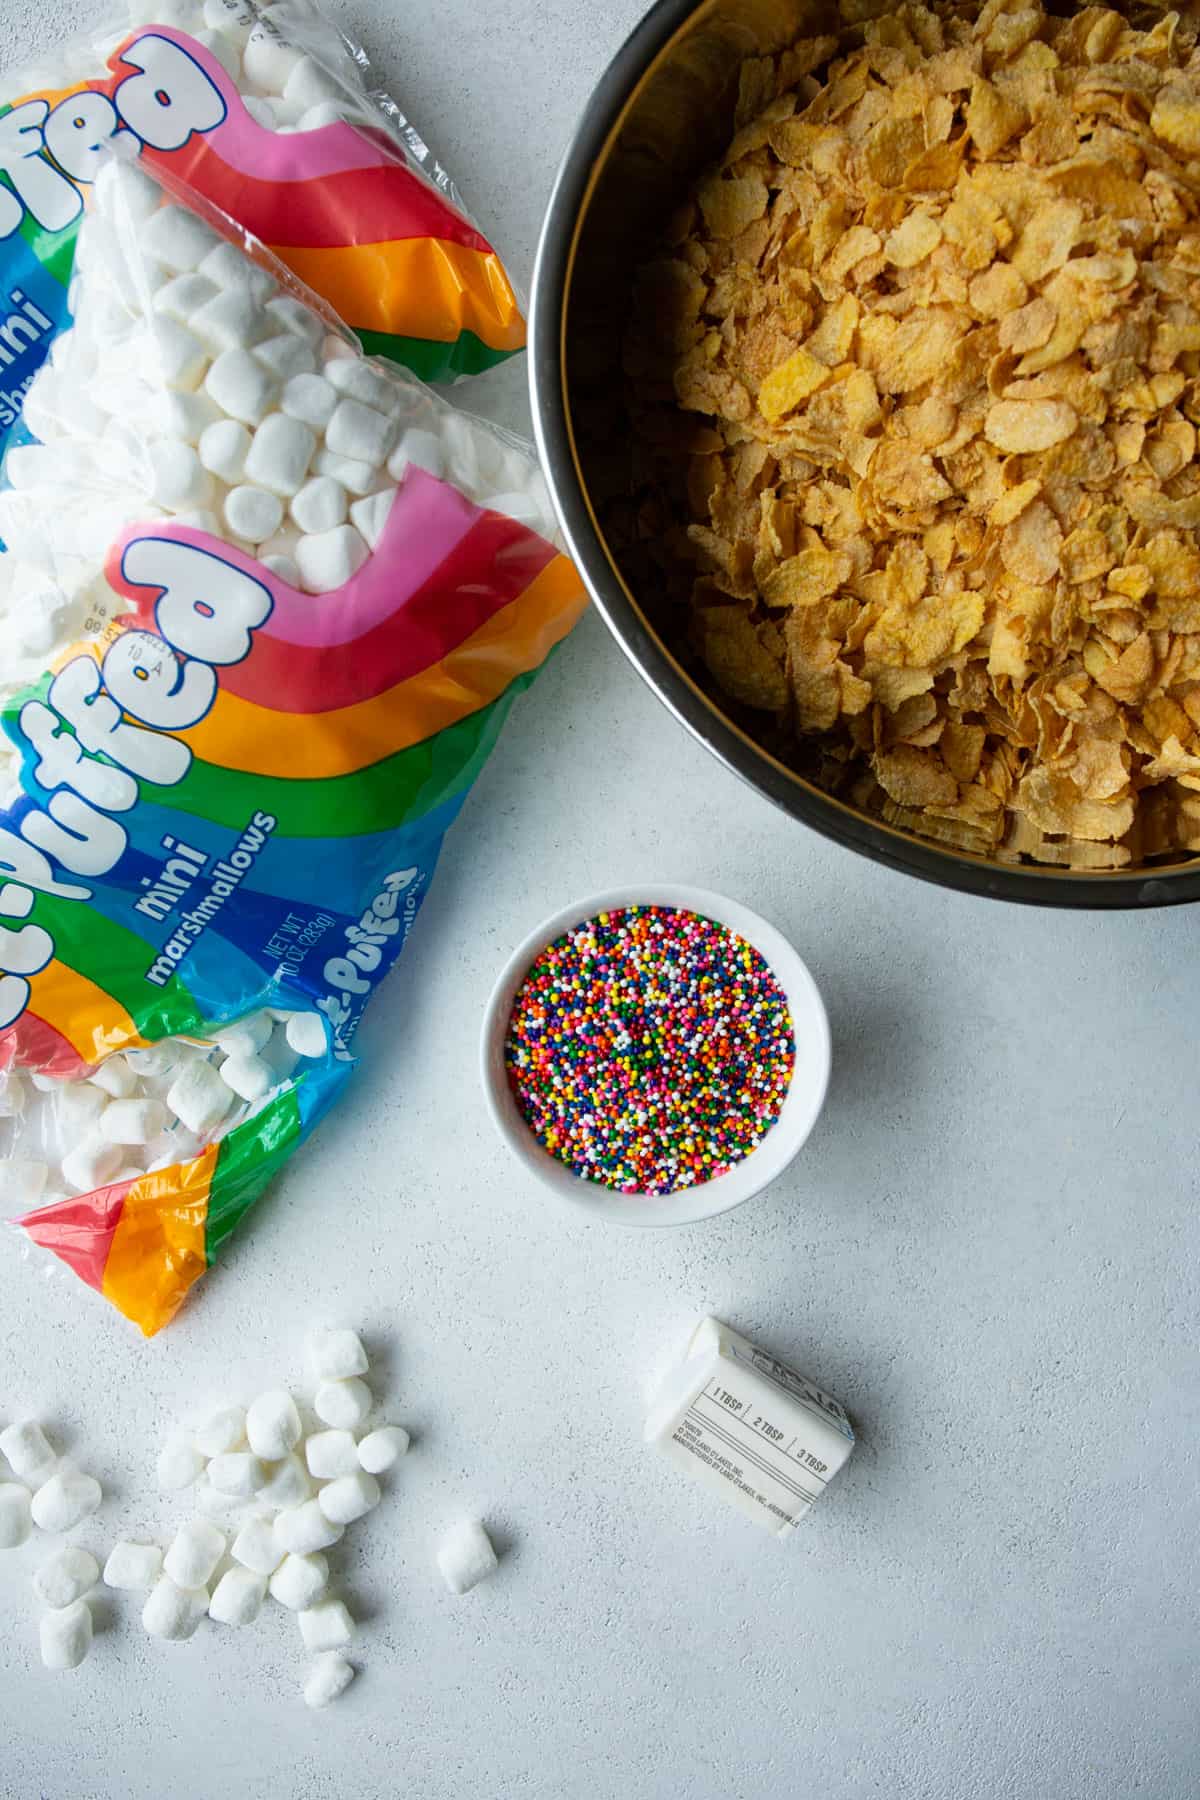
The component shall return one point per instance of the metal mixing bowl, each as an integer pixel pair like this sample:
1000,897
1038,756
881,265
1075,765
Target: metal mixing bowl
662,109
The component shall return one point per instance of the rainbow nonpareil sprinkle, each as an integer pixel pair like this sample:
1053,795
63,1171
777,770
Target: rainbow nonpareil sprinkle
650,1049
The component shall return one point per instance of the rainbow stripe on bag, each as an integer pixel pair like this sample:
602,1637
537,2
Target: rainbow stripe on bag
339,205
319,782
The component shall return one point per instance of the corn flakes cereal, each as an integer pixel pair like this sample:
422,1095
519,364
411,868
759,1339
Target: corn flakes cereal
915,385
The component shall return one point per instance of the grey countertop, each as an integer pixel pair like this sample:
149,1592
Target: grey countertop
988,1252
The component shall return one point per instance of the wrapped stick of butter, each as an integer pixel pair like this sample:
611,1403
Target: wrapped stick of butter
755,1431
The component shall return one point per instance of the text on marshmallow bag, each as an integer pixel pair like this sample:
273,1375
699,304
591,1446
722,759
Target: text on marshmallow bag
206,613
45,151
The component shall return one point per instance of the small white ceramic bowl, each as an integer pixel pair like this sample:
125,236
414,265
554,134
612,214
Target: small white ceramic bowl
801,1109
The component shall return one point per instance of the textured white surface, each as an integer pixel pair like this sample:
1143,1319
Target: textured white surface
988,1253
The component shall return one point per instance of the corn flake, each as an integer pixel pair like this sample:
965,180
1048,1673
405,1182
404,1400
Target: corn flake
1023,425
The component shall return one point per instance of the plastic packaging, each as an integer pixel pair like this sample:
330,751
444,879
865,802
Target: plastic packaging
226,793
264,112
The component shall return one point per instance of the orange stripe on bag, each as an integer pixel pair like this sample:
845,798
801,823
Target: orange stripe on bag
158,1249
414,287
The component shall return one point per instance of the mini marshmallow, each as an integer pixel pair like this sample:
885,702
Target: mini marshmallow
342,1403
299,1580
273,1425
328,559
226,267
225,1510
241,386
466,1557
292,315
247,1036
223,450
132,1121
90,1165
231,320
330,1454
369,516
115,1077
78,1105
359,432
177,238
359,477
383,1447
320,505
327,1626
187,416
260,110
248,1076
66,1498
288,1487
280,454
357,380
329,1677
224,1431
252,513
133,1566
180,356
179,478
464,450
66,1636
179,1464
186,294
195,1551
223,50
335,1354
256,1547
305,1032
199,1098
173,1612
267,60
27,1451
15,1520
237,1473
283,568
418,450
311,399
123,190
69,1574
305,1529
286,356
237,1598
308,84
348,1498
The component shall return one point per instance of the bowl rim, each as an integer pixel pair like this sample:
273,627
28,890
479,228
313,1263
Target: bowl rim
798,1116
577,175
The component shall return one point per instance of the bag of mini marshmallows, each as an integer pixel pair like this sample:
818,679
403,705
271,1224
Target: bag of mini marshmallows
264,112
268,602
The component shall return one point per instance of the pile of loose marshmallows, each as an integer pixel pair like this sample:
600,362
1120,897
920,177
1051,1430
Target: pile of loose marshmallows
145,1109
295,1497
